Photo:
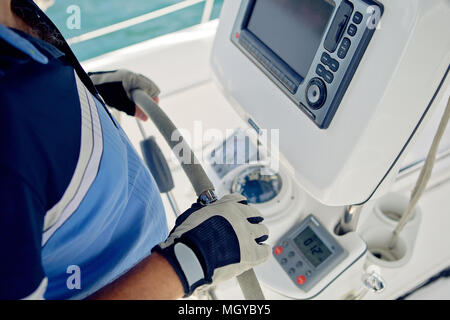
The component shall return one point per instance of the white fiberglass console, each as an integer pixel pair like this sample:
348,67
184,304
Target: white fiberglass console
348,83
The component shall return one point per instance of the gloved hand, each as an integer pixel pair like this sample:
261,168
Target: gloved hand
116,87
214,243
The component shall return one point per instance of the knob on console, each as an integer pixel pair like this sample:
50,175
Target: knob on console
316,93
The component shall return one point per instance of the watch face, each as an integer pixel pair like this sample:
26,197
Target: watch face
257,184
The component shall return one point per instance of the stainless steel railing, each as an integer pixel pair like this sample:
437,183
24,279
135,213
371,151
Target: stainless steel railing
206,16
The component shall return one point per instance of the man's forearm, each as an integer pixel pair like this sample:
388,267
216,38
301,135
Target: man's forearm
152,279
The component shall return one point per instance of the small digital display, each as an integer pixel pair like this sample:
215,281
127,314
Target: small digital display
312,247
292,29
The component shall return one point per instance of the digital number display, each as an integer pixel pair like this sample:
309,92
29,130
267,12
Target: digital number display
312,247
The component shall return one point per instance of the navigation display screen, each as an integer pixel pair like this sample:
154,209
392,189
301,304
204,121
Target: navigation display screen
312,247
292,29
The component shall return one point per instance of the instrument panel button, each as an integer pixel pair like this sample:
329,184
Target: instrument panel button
325,59
334,65
352,29
320,70
316,93
357,18
301,280
329,77
343,49
278,250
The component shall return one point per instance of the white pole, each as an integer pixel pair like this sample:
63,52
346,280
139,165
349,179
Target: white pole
134,21
207,11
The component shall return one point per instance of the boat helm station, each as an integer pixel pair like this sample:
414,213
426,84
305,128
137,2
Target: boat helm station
349,84
340,142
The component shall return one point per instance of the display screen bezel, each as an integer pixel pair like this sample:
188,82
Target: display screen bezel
273,54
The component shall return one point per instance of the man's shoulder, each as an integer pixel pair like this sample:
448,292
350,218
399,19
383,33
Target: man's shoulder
39,92
32,77
19,49
40,118
10,58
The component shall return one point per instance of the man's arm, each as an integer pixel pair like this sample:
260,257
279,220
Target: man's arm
209,244
152,279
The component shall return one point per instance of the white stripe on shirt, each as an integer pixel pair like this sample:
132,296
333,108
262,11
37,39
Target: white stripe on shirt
87,167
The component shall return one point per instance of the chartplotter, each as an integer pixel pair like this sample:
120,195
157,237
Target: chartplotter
333,117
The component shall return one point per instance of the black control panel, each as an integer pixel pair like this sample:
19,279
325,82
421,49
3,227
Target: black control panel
281,38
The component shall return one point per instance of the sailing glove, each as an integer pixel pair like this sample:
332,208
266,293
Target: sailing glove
116,87
213,243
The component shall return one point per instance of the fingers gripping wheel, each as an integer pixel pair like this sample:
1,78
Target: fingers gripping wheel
214,243
116,88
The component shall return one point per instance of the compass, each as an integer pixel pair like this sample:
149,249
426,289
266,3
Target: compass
258,184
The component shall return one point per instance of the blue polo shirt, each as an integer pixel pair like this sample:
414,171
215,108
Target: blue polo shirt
76,201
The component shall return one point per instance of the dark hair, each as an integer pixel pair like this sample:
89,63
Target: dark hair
26,10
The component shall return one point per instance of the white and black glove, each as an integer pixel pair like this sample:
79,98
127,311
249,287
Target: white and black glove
217,242
116,87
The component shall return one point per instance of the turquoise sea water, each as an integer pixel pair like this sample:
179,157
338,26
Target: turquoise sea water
97,14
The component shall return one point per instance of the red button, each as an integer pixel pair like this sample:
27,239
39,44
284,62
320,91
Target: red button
301,280
278,250
237,35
